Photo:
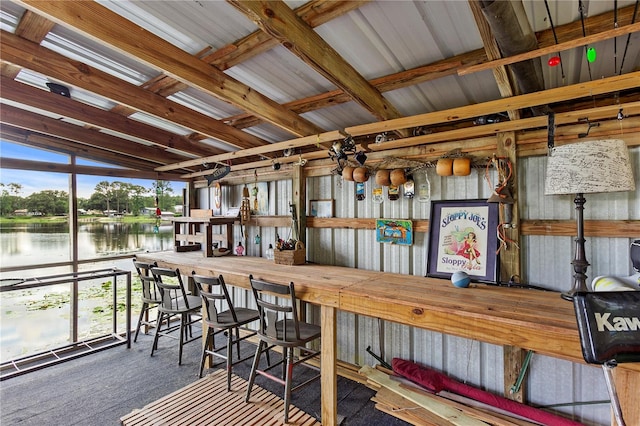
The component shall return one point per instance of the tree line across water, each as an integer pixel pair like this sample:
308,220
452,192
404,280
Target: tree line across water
114,196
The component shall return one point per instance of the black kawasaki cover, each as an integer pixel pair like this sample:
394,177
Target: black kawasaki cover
609,325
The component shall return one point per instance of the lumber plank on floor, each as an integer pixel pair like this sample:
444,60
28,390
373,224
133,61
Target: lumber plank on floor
444,411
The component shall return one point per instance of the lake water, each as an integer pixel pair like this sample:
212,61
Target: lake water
28,244
38,319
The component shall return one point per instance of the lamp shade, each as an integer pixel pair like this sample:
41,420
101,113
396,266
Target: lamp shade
589,167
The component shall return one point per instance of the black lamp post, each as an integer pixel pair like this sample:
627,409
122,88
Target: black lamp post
587,167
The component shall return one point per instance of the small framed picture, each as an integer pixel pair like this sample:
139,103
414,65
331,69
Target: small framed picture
462,237
321,208
394,231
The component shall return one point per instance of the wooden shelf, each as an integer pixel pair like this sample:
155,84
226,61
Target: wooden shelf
195,233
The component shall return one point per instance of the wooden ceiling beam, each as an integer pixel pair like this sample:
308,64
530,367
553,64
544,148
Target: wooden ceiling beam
280,22
505,86
40,166
92,116
560,94
468,133
26,54
106,27
24,136
46,142
33,27
111,146
314,13
570,31
579,42
608,85
386,83
565,32
279,146
592,24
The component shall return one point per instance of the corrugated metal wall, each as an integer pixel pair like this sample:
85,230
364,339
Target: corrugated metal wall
545,261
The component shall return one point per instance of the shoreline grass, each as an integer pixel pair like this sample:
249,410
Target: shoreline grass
64,219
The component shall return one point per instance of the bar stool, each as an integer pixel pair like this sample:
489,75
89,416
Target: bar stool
280,326
175,301
150,295
221,316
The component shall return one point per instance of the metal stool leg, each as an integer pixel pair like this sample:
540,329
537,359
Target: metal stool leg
607,368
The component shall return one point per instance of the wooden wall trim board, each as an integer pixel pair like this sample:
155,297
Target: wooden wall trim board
593,228
348,223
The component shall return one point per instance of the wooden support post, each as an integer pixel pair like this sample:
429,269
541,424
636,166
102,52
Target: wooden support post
510,266
299,198
510,256
513,363
328,369
192,198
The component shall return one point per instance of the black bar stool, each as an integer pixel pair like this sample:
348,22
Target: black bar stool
221,316
150,296
175,301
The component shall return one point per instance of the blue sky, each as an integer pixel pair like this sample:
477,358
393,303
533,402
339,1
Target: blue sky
37,181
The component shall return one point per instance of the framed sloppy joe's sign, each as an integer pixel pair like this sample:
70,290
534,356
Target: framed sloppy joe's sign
462,237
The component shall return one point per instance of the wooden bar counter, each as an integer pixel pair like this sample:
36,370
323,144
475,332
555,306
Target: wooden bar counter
530,319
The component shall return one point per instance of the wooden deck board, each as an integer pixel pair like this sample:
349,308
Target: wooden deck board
207,401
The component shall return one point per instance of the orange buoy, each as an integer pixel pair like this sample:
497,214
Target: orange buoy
347,173
398,177
383,178
444,167
462,166
360,174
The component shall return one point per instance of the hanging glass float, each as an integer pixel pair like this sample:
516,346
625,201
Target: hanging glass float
409,187
591,54
254,194
424,189
240,249
377,193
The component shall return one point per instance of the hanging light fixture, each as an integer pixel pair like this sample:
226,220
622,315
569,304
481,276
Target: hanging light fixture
59,89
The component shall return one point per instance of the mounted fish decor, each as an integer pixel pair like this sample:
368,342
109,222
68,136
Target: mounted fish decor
218,173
